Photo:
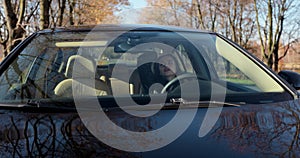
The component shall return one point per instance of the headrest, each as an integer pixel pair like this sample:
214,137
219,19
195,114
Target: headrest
146,57
83,68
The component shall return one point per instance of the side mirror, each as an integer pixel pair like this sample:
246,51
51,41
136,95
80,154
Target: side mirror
291,77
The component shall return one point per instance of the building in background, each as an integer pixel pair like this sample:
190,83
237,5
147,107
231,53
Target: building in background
292,59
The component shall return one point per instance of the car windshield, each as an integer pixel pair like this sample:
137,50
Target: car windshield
135,64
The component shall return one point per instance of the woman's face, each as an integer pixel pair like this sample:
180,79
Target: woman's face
167,67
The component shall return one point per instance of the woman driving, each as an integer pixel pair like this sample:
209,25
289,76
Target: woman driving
167,69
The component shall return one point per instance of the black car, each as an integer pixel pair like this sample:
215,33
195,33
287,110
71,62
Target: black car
143,91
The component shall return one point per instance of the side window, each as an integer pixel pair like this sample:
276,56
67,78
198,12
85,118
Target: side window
240,72
233,74
229,72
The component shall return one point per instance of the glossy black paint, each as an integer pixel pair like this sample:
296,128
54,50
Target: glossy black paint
265,130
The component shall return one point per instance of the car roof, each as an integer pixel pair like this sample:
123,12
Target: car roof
123,27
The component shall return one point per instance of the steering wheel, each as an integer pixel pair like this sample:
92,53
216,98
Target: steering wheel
178,78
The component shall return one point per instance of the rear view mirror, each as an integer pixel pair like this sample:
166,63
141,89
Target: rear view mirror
291,77
122,48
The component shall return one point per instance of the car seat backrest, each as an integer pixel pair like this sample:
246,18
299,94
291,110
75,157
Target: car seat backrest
145,63
84,67
84,73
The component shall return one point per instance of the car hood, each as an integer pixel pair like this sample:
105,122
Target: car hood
245,131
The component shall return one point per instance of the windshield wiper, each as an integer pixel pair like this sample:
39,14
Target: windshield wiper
208,103
29,103
175,103
33,103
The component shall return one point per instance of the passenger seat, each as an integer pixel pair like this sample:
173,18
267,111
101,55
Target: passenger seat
85,72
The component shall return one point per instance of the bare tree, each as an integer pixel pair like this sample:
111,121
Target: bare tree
13,25
270,18
167,12
71,11
232,18
18,18
62,7
205,14
15,17
44,14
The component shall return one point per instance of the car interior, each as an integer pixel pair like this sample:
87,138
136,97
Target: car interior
127,66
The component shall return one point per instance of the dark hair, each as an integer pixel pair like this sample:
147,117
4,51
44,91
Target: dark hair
156,71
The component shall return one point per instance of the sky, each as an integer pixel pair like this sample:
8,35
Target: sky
138,3
130,15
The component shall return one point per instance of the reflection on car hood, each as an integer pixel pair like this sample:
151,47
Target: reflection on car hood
268,130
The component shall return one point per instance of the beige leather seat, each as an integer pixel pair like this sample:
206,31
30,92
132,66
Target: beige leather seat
84,75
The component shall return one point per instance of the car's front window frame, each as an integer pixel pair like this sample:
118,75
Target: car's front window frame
212,38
